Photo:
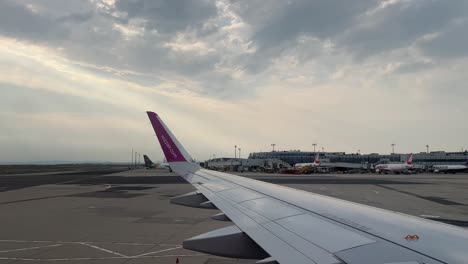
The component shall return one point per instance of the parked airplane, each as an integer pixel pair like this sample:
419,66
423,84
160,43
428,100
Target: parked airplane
395,167
450,168
148,163
282,225
316,163
319,166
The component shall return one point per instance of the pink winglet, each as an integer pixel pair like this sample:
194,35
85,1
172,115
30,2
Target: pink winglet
170,149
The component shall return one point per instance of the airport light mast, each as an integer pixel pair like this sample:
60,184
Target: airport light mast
235,151
427,148
315,144
239,153
273,145
393,148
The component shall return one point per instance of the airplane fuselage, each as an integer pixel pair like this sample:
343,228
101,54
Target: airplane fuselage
393,167
449,168
310,164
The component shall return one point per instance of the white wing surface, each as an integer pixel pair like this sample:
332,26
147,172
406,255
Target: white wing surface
277,224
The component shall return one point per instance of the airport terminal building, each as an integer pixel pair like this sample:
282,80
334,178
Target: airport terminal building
427,159
238,164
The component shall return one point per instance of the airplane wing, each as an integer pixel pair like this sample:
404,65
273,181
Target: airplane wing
277,224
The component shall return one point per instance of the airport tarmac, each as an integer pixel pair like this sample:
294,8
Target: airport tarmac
111,215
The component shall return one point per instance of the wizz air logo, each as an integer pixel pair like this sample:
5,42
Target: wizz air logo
168,146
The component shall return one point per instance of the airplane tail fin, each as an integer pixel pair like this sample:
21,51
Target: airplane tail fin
173,150
409,161
317,159
147,160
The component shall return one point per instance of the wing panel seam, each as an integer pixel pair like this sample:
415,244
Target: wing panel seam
267,230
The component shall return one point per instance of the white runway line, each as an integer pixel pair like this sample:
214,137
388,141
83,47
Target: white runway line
87,242
72,181
117,255
102,258
105,250
155,252
430,216
29,248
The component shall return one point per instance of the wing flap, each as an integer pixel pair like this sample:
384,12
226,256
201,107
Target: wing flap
331,237
239,195
383,252
314,252
277,248
270,208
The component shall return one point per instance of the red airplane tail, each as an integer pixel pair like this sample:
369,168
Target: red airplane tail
409,161
317,160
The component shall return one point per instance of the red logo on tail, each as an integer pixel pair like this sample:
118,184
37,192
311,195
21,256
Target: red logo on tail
409,161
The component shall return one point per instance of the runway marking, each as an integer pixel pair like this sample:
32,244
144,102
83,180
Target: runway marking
58,183
117,255
159,251
434,199
87,242
29,248
103,249
430,216
77,180
101,258
42,173
31,199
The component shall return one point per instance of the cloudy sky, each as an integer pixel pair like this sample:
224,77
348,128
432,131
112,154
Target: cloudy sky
77,76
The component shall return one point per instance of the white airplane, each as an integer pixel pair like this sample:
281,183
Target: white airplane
395,167
450,168
148,163
316,163
278,224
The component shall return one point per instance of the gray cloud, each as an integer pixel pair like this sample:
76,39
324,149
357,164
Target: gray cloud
100,34
36,101
283,22
20,22
322,19
362,29
451,43
399,25
169,16
97,35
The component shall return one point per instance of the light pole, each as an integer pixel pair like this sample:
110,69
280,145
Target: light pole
136,154
139,159
359,151
235,151
393,148
315,144
273,145
427,148
239,153
323,149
